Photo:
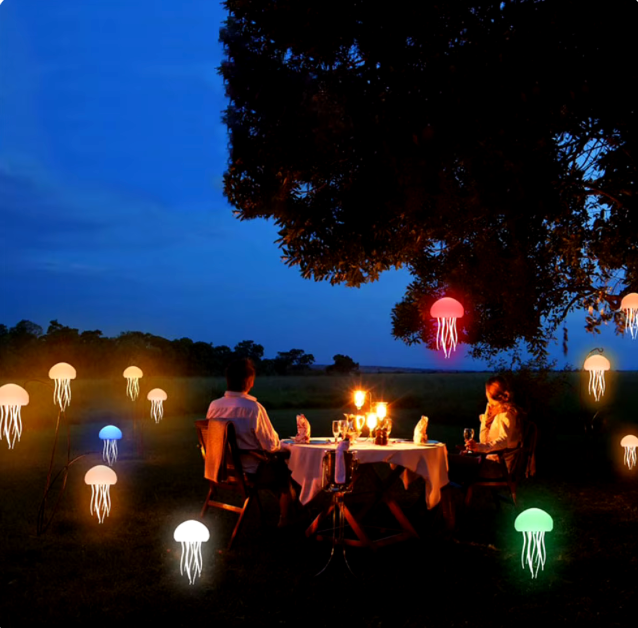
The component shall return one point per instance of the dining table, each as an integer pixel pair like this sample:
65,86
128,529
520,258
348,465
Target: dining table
407,459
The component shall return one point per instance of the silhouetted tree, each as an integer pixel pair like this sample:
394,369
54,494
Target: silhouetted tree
342,364
475,144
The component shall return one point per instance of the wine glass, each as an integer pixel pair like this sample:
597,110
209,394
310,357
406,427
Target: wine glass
336,429
468,434
359,423
388,426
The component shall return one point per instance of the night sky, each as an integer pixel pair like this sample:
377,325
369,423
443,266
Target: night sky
112,153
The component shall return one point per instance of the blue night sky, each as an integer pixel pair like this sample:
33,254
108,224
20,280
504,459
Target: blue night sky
112,215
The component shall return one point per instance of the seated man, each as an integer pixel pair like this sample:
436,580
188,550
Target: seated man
254,431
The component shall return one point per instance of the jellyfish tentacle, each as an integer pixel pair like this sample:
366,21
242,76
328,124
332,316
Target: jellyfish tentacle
523,551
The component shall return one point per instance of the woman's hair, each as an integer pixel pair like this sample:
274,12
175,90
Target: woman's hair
499,389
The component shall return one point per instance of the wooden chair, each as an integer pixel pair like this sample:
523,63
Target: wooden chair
522,458
232,476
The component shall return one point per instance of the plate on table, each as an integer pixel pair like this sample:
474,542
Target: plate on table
286,441
318,440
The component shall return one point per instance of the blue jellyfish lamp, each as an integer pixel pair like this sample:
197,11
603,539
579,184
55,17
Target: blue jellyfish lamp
110,435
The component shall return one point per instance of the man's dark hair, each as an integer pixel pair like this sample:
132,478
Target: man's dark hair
238,374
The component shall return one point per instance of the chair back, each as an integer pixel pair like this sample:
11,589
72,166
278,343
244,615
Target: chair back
329,468
524,457
224,447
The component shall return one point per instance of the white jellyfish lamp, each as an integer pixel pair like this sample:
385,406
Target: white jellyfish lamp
446,311
533,523
157,396
629,443
110,435
133,374
100,478
12,398
629,305
191,534
62,373
597,365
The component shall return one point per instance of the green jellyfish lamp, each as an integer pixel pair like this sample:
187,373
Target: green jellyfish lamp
533,523
110,435
191,534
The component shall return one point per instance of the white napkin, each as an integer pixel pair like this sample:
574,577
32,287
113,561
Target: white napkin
340,464
303,429
421,431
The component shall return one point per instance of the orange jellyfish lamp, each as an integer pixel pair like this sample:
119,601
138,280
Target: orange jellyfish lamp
629,305
597,365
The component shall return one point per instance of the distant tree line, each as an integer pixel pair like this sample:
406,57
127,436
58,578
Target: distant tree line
26,350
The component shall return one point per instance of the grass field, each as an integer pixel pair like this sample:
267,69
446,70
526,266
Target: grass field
127,569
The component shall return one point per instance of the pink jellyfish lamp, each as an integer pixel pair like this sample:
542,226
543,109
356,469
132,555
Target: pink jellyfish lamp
12,398
446,311
191,534
156,397
62,373
629,305
597,365
100,478
630,442
133,374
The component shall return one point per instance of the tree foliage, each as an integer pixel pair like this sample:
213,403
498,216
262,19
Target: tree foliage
342,364
26,351
487,147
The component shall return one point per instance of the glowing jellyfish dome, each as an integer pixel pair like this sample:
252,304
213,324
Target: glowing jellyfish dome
533,523
110,435
446,311
629,305
629,443
12,398
100,478
157,396
62,373
191,534
597,365
133,374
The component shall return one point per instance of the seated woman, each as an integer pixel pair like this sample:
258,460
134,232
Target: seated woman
500,429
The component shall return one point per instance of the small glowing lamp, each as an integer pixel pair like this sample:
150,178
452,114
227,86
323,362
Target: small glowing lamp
359,398
191,534
446,311
12,398
156,397
533,523
133,374
110,435
100,478
597,365
381,410
630,442
629,305
62,373
371,421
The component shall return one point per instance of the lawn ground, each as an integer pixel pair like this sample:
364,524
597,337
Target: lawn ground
127,569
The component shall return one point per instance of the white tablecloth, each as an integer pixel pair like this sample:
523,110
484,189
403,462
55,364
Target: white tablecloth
428,461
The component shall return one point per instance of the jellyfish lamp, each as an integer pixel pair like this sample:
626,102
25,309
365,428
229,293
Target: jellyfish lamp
446,311
132,374
12,398
156,397
630,442
110,435
533,523
62,373
100,478
359,398
597,365
191,534
629,305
